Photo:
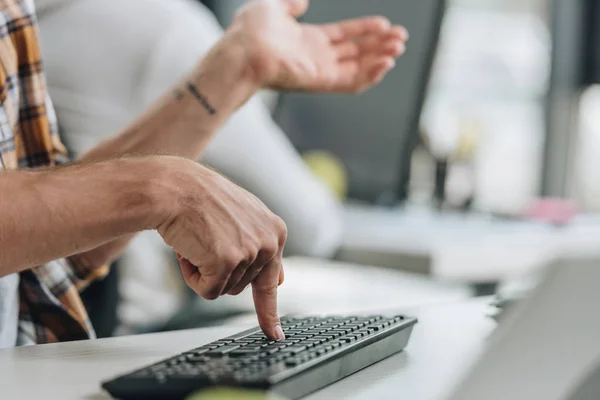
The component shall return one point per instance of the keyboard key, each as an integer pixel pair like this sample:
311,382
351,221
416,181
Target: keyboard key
353,326
321,351
243,352
291,330
302,338
288,342
293,349
221,351
292,362
245,340
199,351
257,337
198,359
272,361
313,332
340,330
253,347
249,359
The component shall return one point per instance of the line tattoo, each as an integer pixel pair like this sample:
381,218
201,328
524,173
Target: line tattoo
193,90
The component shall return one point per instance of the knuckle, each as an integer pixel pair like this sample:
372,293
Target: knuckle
210,293
237,291
269,250
250,252
280,224
230,258
210,289
281,228
283,238
237,274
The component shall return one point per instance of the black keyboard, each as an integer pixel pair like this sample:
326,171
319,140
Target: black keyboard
317,351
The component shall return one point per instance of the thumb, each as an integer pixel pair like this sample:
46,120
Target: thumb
297,8
264,292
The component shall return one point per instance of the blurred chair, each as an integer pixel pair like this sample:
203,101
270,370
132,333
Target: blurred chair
106,62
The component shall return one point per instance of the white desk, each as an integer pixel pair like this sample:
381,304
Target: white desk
444,343
461,247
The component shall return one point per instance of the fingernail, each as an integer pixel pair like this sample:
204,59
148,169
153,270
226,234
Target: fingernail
279,333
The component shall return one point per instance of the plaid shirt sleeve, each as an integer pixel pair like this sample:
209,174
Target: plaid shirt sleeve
51,309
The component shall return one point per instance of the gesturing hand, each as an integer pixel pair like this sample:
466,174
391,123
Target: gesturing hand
226,239
348,56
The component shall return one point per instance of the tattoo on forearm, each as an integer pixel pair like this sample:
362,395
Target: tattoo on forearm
201,98
196,93
179,94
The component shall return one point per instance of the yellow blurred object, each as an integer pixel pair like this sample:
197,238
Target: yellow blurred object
233,394
470,133
330,170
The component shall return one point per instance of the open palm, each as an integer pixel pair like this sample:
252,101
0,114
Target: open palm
348,56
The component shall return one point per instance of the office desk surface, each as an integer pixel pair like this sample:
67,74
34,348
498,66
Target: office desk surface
444,343
461,247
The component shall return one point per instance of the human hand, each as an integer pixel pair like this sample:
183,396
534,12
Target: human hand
225,238
347,56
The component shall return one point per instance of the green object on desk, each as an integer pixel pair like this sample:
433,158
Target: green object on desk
233,394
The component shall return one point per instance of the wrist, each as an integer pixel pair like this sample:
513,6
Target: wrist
249,33
159,184
233,60
242,46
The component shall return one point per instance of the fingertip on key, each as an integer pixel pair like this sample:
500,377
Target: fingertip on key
279,333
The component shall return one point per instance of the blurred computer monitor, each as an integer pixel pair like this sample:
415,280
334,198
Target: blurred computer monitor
374,133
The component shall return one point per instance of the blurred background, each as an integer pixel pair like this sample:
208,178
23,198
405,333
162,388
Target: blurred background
470,168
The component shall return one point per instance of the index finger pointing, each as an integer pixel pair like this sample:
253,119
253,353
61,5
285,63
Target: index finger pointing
264,292
353,28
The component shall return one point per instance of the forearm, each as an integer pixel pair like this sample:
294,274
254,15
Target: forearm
55,213
184,119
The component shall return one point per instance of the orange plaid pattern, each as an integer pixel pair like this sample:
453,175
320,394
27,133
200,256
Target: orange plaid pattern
51,309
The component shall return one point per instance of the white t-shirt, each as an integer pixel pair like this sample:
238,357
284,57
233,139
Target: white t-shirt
9,310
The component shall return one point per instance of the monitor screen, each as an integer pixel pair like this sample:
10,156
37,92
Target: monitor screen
372,133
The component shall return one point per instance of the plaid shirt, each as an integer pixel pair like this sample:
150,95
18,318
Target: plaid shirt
51,309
